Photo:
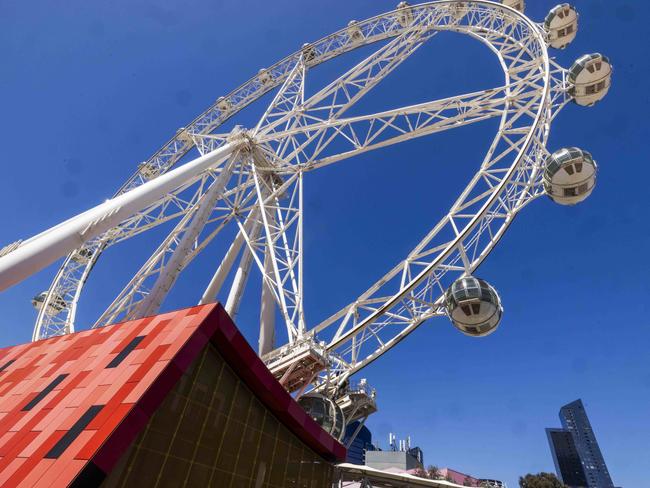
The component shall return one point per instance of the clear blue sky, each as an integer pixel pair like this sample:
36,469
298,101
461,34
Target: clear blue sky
88,89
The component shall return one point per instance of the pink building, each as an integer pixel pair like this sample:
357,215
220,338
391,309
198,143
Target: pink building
458,477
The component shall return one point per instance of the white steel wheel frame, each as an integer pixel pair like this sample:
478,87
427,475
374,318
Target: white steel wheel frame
292,138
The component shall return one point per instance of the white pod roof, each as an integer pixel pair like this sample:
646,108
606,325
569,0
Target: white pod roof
56,304
518,5
473,306
569,175
590,78
325,412
561,25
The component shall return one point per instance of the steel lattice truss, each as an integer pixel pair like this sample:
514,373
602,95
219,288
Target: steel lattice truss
259,187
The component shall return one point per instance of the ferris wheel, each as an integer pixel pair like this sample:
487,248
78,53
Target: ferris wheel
252,178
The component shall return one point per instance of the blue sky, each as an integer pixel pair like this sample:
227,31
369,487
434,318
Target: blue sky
88,89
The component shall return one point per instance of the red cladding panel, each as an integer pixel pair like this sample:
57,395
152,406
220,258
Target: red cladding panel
57,421
50,428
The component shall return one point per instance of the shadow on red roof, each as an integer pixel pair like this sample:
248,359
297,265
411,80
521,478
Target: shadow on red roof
70,406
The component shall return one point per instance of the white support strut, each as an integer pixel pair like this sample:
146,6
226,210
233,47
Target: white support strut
153,300
43,249
216,282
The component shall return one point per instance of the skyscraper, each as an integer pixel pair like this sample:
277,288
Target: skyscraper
577,457
565,456
361,443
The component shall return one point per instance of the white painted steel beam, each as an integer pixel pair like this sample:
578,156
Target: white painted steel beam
43,249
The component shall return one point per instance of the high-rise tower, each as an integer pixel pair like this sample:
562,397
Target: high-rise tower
577,457
565,456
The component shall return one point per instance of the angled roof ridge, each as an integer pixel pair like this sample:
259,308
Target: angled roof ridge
70,406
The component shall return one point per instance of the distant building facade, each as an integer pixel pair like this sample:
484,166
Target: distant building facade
417,453
576,454
458,477
486,483
465,479
360,445
400,456
384,460
565,457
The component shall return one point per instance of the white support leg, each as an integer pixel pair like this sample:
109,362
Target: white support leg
174,266
241,276
302,326
43,249
267,311
214,287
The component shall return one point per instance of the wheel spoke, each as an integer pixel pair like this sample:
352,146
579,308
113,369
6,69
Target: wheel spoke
289,98
164,266
333,100
355,135
281,262
411,292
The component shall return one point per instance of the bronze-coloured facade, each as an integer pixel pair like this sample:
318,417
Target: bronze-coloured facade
212,430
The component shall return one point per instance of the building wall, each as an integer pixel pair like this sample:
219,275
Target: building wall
487,483
574,419
417,453
391,459
458,477
211,430
565,457
361,443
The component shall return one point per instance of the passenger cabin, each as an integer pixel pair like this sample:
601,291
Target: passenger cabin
569,175
82,256
518,5
561,25
224,104
264,76
457,10
589,79
325,412
404,14
473,306
55,305
308,52
354,31
147,170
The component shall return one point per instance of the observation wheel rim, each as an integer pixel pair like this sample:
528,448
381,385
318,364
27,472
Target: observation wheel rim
352,45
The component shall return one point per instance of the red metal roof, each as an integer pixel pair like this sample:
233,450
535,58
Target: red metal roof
73,404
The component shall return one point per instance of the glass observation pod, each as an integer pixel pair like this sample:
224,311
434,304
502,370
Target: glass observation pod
308,52
457,10
325,412
518,5
146,170
57,303
473,306
264,76
589,79
404,14
354,31
183,135
224,104
561,25
82,256
569,175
